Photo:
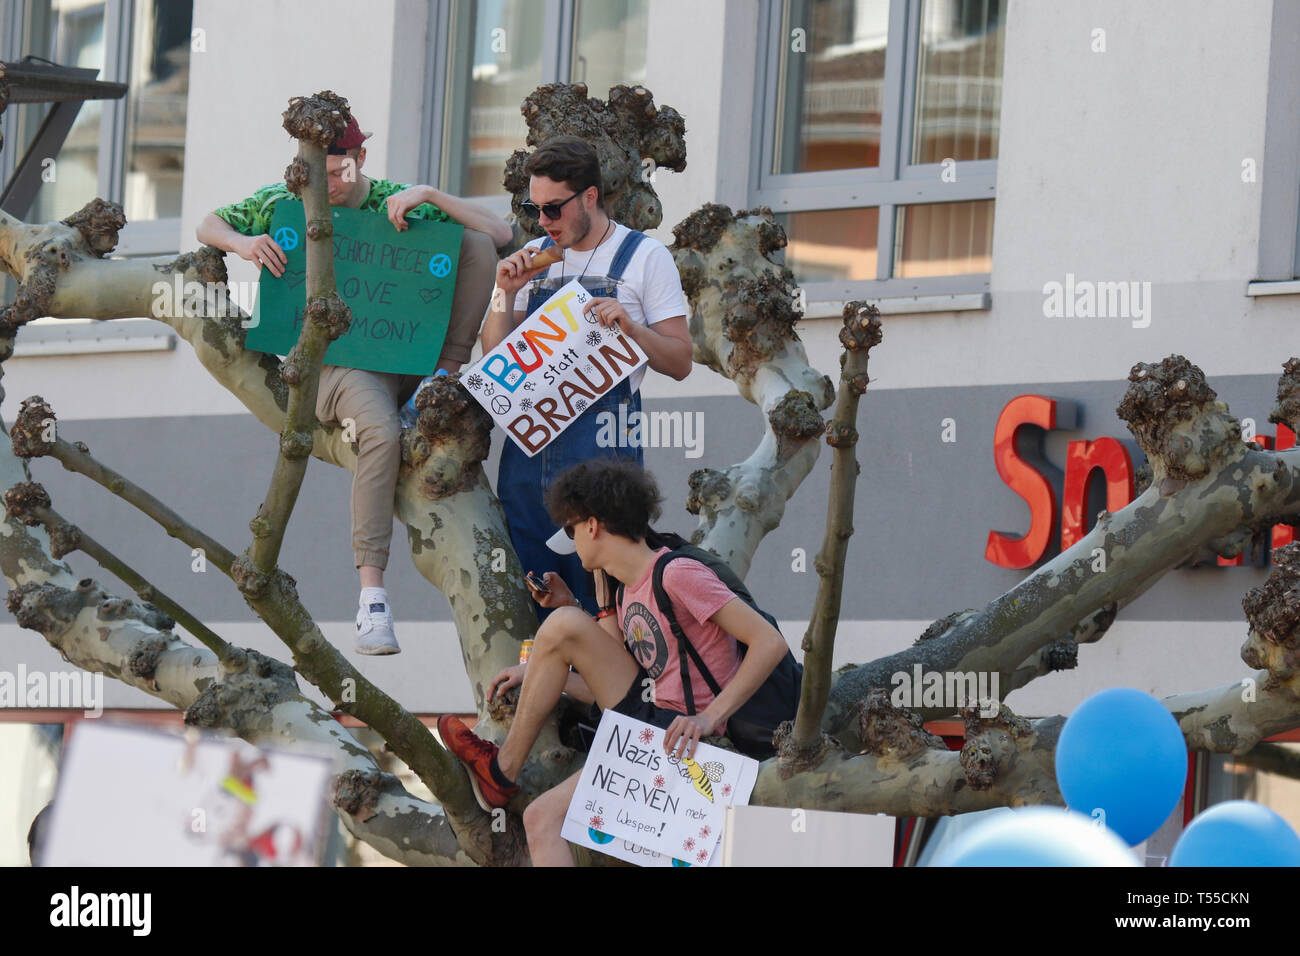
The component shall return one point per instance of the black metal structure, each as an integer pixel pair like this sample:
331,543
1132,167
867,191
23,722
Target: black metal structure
33,80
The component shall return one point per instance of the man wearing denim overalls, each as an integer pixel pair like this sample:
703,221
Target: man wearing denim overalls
636,289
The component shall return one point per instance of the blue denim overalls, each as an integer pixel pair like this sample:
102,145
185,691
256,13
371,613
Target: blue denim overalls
522,481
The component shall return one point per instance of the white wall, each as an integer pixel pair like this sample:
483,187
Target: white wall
262,54
703,71
257,55
1122,165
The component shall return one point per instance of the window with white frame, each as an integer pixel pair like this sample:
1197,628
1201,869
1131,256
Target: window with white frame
876,140
488,55
132,150
1273,178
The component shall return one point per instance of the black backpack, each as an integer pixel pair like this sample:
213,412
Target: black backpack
751,727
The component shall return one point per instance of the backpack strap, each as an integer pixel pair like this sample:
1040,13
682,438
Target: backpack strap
623,255
685,648
665,539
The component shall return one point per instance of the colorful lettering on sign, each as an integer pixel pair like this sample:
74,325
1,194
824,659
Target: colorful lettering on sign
1081,457
529,432
562,303
535,428
508,374
537,338
612,355
604,382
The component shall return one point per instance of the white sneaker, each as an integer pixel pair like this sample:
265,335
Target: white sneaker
375,630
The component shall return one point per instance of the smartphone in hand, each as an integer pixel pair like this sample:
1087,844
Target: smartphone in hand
535,583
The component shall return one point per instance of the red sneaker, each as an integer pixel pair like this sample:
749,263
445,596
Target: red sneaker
476,754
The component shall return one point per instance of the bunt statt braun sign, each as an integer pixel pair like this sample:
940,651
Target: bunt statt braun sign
551,369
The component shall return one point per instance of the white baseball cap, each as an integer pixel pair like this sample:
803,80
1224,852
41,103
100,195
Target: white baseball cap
561,543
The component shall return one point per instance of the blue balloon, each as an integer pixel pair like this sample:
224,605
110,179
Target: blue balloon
1037,836
1237,833
1121,759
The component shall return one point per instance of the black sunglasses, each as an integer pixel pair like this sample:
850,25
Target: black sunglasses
552,209
568,528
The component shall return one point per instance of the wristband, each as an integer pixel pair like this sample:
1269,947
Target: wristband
604,612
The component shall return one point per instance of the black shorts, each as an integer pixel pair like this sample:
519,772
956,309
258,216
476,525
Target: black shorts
633,705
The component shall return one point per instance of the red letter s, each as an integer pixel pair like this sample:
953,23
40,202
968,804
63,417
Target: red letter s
1024,480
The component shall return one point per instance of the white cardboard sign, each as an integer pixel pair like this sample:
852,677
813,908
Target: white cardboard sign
551,369
636,802
134,797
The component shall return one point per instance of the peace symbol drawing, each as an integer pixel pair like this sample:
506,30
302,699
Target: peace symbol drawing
286,238
500,404
440,265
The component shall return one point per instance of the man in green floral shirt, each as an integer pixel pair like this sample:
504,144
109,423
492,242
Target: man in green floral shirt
372,399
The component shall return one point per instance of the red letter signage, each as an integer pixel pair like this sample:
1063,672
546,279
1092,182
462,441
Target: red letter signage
1024,480
1081,458
1283,534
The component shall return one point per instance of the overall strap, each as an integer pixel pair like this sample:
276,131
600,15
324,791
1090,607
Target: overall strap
685,648
546,241
623,255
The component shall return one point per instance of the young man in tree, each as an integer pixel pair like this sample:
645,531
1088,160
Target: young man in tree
372,399
625,660
636,290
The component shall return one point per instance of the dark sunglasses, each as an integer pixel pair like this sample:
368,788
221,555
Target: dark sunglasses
568,528
552,209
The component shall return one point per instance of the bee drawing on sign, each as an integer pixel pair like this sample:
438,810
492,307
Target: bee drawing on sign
702,776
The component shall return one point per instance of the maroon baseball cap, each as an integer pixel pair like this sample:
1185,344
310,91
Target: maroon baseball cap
352,137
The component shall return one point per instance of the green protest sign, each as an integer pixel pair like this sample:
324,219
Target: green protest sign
399,286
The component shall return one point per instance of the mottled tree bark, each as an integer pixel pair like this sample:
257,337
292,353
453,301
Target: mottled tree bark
632,137
1207,483
743,313
805,741
242,692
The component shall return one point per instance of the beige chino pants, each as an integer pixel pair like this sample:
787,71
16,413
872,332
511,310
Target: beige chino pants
371,401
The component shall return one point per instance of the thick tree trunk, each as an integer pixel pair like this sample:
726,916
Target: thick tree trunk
1207,484
743,313
254,697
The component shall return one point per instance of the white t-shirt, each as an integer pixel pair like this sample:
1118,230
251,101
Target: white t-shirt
650,289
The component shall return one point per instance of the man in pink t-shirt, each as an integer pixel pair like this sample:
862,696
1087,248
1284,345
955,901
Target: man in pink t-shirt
624,660
697,595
